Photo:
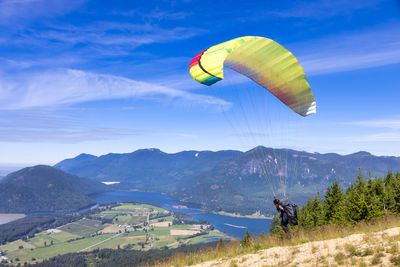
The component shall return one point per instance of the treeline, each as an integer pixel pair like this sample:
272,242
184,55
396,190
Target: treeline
28,226
364,200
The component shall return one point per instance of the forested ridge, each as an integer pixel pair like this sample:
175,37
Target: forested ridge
43,188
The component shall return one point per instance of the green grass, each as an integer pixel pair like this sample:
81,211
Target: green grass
89,223
395,260
13,246
121,240
161,230
122,219
129,219
168,218
139,208
132,207
134,220
80,229
39,239
54,250
203,238
340,258
109,216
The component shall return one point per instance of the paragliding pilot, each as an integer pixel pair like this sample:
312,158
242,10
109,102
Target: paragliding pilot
288,214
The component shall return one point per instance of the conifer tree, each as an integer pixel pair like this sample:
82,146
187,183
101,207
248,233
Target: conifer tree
396,193
247,239
375,198
333,204
357,206
389,200
317,211
305,215
312,215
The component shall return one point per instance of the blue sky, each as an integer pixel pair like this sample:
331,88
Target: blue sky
112,76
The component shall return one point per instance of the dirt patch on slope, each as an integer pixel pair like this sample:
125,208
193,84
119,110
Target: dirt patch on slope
378,248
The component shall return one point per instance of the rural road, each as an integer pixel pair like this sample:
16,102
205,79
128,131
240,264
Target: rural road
105,240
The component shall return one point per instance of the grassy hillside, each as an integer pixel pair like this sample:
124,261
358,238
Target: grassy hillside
367,205
368,244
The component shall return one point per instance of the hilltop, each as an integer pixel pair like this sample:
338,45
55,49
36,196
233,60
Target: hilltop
44,188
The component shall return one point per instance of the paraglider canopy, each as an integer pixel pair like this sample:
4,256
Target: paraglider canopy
264,61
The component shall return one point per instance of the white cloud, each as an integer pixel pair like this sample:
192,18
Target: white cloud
69,86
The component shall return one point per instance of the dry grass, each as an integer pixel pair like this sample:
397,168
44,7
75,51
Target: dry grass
234,249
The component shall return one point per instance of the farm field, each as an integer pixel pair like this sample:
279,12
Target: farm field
122,226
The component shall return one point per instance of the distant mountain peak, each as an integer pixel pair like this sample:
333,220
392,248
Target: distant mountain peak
85,156
257,148
148,150
361,154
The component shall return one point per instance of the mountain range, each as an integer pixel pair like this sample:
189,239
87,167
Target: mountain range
44,188
146,169
232,181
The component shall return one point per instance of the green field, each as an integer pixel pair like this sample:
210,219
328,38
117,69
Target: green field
129,228
82,227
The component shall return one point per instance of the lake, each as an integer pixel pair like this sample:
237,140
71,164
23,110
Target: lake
233,226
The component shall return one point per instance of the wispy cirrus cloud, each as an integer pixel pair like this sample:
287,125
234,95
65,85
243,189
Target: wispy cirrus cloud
156,14
95,40
12,11
37,119
63,135
108,33
68,86
53,125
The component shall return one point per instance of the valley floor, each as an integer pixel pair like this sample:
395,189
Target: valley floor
371,249
125,225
